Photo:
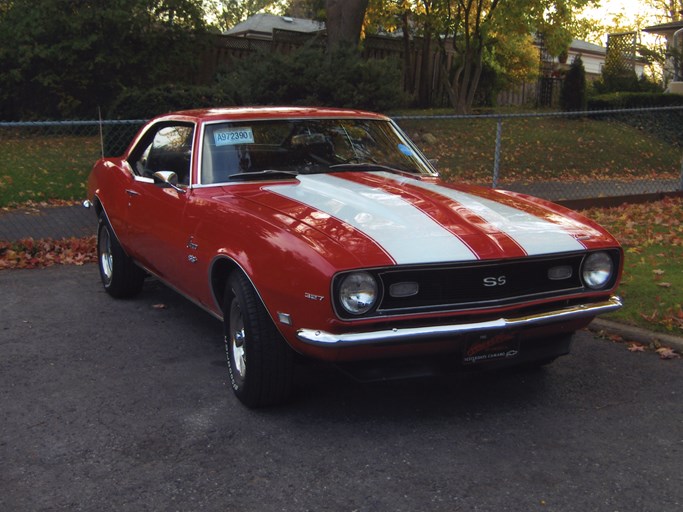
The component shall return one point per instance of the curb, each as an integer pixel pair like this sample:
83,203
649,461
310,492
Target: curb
637,334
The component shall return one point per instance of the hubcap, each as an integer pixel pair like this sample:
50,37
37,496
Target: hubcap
106,258
238,340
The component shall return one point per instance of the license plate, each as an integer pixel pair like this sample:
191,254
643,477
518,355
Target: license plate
492,348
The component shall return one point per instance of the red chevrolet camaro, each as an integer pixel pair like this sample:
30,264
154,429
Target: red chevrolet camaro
325,234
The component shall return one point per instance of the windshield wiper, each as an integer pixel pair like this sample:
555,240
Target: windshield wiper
369,167
267,174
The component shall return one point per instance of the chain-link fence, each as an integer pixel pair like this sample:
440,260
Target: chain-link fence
557,156
50,160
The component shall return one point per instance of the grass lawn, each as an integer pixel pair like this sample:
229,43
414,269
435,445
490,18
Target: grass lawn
46,167
652,285
532,149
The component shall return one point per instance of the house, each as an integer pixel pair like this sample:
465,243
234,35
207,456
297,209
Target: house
592,55
673,32
262,25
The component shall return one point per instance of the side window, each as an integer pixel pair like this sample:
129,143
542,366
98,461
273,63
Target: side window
167,147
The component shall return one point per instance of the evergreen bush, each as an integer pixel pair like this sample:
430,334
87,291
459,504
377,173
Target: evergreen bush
310,76
573,93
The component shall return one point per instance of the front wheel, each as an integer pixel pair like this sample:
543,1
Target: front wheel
120,276
259,360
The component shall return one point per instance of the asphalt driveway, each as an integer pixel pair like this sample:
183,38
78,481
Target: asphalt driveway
125,406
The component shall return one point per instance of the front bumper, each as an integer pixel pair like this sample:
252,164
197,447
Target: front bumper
440,332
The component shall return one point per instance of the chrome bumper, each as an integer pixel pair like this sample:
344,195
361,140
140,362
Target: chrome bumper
437,332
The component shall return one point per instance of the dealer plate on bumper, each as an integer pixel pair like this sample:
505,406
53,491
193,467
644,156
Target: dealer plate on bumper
496,347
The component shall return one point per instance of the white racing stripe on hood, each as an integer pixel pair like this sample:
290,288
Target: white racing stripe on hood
407,234
533,234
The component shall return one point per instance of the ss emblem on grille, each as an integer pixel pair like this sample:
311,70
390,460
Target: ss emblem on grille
494,281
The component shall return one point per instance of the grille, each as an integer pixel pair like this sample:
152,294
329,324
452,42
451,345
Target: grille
480,285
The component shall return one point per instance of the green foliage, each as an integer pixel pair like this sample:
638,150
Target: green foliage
510,59
63,59
312,77
619,100
626,83
666,125
618,73
573,93
479,26
144,103
490,84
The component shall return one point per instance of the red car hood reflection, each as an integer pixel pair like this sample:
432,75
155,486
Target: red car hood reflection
413,221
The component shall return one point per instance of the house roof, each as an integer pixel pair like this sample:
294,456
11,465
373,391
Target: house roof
665,29
583,46
262,25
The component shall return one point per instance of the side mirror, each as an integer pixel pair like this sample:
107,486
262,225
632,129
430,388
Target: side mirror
168,178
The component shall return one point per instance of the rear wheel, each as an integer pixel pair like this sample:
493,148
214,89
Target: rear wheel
120,276
259,360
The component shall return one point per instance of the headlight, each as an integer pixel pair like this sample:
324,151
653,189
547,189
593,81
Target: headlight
358,293
597,270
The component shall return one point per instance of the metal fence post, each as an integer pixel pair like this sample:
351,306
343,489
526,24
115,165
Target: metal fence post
496,158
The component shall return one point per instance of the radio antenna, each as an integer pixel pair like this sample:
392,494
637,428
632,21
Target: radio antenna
99,115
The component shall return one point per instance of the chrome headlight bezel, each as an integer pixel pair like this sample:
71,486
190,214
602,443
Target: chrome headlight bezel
357,293
598,270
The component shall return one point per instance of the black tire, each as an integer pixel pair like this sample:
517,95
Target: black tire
260,362
120,277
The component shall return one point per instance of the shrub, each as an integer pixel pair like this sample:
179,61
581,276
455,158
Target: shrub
145,103
618,100
573,93
667,125
310,76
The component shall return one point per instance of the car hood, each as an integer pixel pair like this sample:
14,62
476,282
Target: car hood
414,221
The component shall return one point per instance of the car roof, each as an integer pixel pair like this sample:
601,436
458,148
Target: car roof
247,113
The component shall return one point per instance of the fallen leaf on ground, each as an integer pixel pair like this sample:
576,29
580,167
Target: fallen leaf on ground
667,353
636,347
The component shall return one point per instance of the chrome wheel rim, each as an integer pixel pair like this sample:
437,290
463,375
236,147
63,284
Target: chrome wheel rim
106,258
237,340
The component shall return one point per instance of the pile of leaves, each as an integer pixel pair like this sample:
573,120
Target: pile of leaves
30,253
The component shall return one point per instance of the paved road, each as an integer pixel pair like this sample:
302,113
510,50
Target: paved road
51,222
118,405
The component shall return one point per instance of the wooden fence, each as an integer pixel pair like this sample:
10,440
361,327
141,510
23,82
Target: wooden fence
422,70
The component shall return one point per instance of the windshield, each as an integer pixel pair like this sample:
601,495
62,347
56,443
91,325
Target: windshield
304,146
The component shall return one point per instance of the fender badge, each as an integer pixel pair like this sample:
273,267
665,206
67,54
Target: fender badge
312,296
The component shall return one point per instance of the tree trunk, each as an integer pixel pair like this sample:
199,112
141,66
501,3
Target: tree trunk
408,74
344,22
425,85
474,81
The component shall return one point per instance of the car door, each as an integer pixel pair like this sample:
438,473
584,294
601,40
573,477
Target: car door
155,207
